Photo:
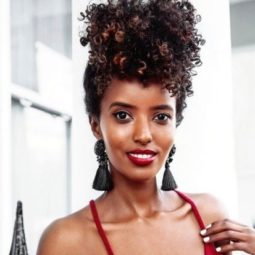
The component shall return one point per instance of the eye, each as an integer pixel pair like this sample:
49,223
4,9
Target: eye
162,117
121,115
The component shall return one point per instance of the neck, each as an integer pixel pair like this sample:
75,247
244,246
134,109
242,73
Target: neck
137,198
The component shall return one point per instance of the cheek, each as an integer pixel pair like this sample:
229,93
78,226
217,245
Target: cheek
165,140
116,139
115,135
164,135
116,142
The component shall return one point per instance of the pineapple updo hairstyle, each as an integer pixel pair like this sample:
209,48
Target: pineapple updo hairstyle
152,41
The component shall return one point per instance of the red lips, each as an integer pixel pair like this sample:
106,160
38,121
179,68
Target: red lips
141,157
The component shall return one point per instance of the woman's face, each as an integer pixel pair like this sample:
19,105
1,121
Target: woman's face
138,127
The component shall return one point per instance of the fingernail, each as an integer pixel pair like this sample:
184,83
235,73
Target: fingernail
206,239
218,249
203,232
208,226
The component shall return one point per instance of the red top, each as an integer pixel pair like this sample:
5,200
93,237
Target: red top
208,247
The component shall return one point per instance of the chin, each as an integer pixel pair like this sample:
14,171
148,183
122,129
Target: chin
140,175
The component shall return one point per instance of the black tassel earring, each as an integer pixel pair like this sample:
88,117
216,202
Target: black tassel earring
103,178
168,182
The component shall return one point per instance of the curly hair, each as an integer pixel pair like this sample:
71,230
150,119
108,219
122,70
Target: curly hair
148,40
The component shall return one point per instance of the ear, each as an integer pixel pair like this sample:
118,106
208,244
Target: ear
95,126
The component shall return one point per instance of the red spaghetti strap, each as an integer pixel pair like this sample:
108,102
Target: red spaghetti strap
194,208
209,248
99,227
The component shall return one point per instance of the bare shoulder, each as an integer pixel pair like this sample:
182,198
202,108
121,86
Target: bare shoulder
210,207
65,235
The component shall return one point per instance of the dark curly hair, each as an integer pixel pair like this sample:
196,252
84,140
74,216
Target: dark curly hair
148,40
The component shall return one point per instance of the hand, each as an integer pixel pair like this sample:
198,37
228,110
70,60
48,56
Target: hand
228,236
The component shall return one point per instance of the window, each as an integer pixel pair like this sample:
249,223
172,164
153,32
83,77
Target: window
41,74
41,42
40,167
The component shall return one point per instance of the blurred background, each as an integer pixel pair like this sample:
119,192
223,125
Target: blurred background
46,147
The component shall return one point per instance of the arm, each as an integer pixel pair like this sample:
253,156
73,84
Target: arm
53,240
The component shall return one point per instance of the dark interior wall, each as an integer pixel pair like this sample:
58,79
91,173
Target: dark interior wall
242,23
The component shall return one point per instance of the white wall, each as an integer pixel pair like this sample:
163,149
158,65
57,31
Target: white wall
205,148
205,158
5,106
84,162
243,62
244,80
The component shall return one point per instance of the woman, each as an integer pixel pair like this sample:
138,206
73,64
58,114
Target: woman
142,58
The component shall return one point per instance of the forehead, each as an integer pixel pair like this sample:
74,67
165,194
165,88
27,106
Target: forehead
135,93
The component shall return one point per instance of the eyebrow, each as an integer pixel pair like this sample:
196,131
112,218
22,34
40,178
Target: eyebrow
156,107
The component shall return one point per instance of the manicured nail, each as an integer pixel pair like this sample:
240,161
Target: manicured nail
208,226
206,239
218,249
203,232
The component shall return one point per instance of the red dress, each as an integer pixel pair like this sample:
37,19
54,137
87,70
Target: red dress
209,248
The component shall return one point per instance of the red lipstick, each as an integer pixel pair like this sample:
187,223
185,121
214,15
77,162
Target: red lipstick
141,157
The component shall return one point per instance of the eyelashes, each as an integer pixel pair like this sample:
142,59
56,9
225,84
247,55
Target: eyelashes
163,117
124,116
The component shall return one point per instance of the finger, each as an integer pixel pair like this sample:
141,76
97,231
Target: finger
232,247
236,223
223,225
229,235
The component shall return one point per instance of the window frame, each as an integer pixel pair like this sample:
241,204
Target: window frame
8,92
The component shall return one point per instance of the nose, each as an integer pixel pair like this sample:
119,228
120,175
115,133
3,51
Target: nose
142,132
